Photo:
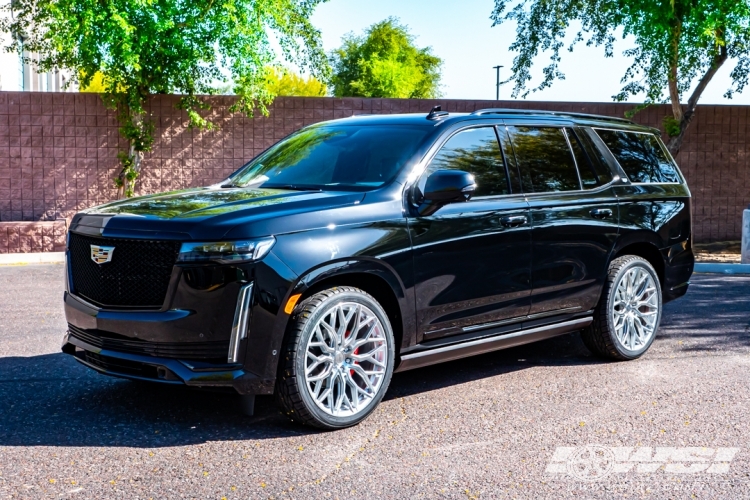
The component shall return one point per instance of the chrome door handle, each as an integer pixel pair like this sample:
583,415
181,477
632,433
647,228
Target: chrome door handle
514,220
601,213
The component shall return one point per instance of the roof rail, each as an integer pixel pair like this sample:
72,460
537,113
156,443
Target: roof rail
516,111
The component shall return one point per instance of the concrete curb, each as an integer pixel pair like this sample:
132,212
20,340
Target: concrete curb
719,268
16,259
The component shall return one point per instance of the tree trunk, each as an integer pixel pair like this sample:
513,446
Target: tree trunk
127,185
674,92
675,142
134,157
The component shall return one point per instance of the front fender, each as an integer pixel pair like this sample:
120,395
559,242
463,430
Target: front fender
361,265
379,250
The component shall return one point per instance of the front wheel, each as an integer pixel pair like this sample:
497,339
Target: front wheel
629,310
338,358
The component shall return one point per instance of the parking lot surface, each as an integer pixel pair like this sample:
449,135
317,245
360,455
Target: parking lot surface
542,420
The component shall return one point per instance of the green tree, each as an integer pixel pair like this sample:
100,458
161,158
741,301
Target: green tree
385,63
282,82
145,47
679,46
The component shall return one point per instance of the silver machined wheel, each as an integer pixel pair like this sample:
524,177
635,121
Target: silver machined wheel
346,359
635,308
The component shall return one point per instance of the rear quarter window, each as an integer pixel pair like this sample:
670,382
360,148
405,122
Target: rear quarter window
640,156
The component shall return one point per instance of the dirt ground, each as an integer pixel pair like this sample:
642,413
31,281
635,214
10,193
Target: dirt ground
719,251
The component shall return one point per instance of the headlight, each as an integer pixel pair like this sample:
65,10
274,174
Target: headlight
226,252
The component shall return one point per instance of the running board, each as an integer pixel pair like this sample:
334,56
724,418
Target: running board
487,344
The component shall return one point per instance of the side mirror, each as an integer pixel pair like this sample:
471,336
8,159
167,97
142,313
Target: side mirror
444,187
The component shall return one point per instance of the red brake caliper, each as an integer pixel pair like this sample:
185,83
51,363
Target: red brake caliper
356,351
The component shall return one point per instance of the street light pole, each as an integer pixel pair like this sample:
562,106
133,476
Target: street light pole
497,85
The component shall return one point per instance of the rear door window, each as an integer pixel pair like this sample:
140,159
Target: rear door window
640,156
475,151
545,159
591,176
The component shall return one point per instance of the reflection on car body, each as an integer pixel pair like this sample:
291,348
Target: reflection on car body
360,247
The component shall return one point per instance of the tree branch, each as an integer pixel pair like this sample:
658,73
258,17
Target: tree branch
719,60
676,142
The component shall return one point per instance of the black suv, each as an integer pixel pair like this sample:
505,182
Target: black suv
359,247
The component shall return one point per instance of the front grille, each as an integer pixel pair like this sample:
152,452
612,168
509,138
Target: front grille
205,351
137,276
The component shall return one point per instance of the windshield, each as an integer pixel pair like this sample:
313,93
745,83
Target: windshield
342,157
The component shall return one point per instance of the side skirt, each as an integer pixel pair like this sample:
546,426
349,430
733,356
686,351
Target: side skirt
488,344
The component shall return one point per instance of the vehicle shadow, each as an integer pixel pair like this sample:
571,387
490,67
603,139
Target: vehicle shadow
52,400
712,317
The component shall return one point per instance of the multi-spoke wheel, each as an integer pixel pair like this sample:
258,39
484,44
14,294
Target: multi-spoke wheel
338,359
629,311
635,308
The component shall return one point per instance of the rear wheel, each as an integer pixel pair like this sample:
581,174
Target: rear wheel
629,311
338,359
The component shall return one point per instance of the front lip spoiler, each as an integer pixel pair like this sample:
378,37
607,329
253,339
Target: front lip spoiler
190,373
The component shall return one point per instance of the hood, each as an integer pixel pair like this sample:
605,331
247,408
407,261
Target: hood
202,202
210,212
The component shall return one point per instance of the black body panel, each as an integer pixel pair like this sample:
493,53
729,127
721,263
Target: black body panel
469,268
514,264
571,248
660,215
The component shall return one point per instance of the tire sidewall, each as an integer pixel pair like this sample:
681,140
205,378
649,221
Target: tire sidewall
324,418
643,264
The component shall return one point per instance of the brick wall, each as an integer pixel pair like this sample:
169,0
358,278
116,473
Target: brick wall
39,236
58,153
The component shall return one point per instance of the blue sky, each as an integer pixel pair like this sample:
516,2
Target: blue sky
460,32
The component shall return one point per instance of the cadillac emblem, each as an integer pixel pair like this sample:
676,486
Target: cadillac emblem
101,255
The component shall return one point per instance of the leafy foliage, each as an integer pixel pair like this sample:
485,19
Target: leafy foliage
282,82
385,63
679,45
95,85
136,48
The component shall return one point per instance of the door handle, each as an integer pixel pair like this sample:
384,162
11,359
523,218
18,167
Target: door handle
601,213
514,220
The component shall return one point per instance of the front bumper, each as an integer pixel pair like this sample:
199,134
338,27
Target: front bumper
167,371
155,368
138,367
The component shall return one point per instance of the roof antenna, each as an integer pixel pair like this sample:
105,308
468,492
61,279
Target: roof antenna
436,112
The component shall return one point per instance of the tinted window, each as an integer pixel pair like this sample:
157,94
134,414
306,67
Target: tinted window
357,157
544,157
640,156
591,176
588,176
590,142
476,151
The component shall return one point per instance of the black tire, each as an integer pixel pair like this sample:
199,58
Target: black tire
600,337
292,392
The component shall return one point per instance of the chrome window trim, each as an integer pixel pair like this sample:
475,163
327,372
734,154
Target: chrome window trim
603,187
656,183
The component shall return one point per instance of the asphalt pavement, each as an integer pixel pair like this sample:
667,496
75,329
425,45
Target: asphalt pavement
546,420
